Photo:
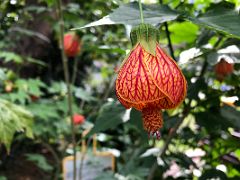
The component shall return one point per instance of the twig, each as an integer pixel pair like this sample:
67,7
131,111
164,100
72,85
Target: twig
185,113
173,132
82,160
67,80
75,69
205,64
171,135
169,41
141,11
81,105
107,92
55,156
168,37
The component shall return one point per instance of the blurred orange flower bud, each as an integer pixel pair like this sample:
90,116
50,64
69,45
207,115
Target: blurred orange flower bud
34,98
78,119
223,68
9,86
72,44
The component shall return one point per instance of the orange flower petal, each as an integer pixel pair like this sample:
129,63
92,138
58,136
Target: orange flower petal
134,83
149,80
168,78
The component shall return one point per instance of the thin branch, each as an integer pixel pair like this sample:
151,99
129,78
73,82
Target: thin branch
165,147
141,11
75,70
205,64
169,41
55,156
83,155
67,80
109,89
185,114
168,37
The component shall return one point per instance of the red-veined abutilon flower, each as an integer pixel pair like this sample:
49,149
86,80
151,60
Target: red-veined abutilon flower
149,80
72,44
223,68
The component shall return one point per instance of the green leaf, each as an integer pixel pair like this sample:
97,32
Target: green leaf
11,56
19,96
3,178
36,9
62,106
183,32
84,95
169,122
212,121
212,174
194,88
2,74
34,86
136,121
50,3
29,87
58,87
212,58
204,37
183,160
40,161
13,118
110,116
220,19
106,49
231,115
36,61
129,14
106,176
44,111
149,46
28,32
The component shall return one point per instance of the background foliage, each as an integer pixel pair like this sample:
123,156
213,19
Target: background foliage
200,139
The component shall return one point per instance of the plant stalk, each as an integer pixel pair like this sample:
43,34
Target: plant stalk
168,37
165,147
75,69
185,114
55,156
141,11
67,80
169,41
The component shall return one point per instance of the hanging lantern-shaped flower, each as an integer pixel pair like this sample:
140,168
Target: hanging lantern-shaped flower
149,80
72,44
223,68
78,119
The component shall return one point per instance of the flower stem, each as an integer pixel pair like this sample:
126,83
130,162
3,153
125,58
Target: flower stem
168,37
67,80
75,70
168,141
141,11
169,41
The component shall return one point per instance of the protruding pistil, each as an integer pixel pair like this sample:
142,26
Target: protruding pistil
152,121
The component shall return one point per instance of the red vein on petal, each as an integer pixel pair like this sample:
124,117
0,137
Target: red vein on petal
139,78
170,74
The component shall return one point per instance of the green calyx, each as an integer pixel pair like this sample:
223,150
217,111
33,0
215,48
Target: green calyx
147,35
